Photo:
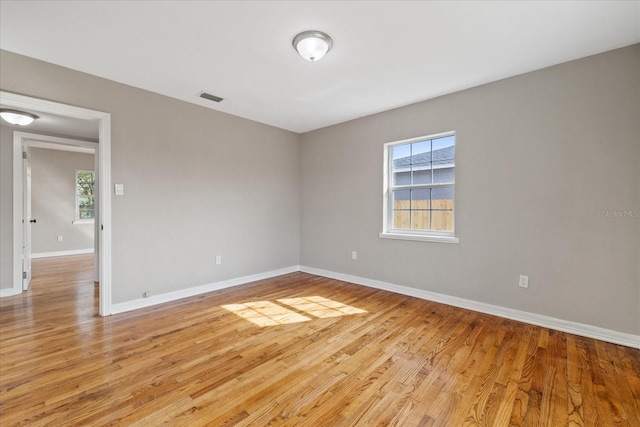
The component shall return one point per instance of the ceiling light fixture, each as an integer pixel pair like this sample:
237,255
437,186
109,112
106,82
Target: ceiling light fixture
312,45
16,117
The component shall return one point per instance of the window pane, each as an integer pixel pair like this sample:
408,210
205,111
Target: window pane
422,176
86,213
421,162
86,208
443,175
442,193
85,182
402,209
85,202
402,178
402,196
442,209
444,152
401,152
420,215
401,166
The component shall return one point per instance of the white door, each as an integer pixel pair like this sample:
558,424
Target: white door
28,221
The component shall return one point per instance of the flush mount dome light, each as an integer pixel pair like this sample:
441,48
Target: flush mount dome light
16,117
312,45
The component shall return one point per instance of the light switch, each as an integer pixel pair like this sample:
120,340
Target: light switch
119,189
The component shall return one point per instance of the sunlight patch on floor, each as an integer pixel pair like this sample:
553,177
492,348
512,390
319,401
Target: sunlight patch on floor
321,307
265,313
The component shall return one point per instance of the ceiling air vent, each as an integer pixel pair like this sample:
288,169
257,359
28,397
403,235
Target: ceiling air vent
210,97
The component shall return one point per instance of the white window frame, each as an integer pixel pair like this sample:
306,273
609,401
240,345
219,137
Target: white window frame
388,232
79,220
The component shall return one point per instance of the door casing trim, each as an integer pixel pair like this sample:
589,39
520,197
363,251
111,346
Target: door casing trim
26,139
104,193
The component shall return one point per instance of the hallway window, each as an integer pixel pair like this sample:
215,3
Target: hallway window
85,202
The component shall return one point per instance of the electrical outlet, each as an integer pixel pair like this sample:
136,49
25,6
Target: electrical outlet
524,281
354,255
59,238
218,259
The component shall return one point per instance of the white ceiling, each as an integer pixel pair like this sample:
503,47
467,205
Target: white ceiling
386,54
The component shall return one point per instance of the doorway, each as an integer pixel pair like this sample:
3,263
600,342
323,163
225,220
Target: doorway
103,178
59,198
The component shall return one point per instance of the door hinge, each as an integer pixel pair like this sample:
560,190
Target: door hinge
24,154
24,274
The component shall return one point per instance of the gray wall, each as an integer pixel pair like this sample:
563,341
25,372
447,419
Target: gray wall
53,190
198,183
526,197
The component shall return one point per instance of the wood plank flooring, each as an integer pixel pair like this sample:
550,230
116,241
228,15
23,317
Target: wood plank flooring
295,350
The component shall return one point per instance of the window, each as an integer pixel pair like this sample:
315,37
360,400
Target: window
419,187
85,202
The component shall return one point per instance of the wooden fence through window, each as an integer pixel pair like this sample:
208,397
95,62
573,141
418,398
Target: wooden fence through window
434,215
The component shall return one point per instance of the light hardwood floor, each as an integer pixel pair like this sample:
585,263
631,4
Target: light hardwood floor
295,350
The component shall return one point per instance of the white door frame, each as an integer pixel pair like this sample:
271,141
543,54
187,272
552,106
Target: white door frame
28,139
104,195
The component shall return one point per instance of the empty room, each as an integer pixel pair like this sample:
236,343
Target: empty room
320,213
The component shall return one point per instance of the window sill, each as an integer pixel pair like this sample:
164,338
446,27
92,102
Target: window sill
420,237
82,221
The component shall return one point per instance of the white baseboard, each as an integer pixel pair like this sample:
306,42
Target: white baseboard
6,292
189,292
62,253
581,329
